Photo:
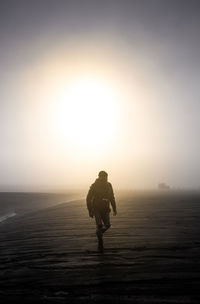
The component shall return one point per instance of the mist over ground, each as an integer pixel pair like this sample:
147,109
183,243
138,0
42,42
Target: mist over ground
99,85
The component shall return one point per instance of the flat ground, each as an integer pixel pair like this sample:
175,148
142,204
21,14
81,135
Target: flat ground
151,253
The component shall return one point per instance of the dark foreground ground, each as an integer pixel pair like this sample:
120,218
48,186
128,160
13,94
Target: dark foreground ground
152,253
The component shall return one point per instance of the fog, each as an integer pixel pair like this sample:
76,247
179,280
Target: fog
134,68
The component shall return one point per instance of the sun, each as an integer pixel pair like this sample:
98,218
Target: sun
87,113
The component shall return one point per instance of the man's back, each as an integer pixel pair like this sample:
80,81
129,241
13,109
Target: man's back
99,192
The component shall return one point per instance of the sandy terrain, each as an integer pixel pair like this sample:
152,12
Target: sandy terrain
151,253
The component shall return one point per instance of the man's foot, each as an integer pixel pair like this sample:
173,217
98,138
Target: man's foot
100,240
105,228
100,248
100,245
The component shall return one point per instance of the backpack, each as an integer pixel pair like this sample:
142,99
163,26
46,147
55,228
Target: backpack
101,200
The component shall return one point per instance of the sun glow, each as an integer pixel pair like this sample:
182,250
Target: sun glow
87,113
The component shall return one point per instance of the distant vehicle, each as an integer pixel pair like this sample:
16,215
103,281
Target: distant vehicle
163,186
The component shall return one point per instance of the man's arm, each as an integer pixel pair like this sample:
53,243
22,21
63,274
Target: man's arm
112,199
89,201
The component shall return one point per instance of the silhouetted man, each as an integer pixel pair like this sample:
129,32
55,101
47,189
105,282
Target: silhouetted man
99,198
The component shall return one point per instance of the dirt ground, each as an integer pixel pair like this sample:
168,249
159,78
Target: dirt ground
151,253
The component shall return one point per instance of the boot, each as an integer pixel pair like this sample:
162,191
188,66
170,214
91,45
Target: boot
105,228
100,245
100,240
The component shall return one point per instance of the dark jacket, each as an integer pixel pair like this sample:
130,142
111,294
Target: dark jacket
100,196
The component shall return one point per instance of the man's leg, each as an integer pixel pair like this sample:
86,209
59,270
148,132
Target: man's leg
99,227
106,221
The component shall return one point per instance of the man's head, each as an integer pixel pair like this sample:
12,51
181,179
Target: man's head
103,175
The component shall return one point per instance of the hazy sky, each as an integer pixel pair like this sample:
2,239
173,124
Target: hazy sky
144,53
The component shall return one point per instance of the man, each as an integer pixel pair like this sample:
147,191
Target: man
99,198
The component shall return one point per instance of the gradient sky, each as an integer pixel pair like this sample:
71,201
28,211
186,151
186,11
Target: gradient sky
148,50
